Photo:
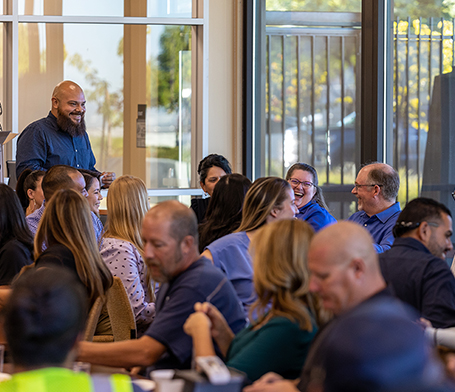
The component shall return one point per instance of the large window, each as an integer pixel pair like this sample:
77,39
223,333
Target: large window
312,101
423,82
312,93
136,61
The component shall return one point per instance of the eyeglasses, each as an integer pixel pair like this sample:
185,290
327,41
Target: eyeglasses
296,183
357,186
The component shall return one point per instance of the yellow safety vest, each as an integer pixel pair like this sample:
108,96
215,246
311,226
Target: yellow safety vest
65,380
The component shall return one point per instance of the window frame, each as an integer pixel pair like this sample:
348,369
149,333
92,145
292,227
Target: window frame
200,59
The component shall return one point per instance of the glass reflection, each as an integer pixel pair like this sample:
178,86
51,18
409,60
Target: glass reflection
54,52
155,8
168,117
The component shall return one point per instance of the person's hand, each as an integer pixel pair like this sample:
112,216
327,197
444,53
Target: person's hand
268,378
424,323
218,323
279,385
106,179
196,322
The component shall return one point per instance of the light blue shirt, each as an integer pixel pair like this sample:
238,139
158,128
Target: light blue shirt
380,225
34,218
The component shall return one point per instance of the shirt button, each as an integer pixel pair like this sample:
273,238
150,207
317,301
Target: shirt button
78,166
76,150
364,224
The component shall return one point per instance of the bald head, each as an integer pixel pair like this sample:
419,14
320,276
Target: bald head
344,266
68,107
66,87
182,220
344,241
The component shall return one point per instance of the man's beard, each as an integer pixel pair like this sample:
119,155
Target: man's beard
67,125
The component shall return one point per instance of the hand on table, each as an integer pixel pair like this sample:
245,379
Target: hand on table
271,382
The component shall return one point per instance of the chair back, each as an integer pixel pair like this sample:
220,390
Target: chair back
92,319
123,321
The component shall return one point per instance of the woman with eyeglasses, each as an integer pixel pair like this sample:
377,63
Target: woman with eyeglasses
269,199
308,196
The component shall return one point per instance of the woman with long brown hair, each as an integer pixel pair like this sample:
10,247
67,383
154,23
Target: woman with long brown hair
67,235
287,314
268,199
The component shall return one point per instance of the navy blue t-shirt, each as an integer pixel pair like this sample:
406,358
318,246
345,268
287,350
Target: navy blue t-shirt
201,282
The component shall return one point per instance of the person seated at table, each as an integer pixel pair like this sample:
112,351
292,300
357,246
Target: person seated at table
16,241
280,338
308,196
210,170
60,177
122,248
29,191
268,199
67,230
93,188
224,213
44,320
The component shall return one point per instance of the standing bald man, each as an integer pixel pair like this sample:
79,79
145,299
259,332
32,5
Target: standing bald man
61,137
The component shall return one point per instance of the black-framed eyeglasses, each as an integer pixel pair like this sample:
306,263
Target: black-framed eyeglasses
358,186
296,183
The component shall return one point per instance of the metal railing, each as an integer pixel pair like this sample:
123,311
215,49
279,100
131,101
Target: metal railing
313,97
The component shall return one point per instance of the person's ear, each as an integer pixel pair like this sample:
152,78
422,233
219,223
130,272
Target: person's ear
187,244
203,186
30,194
424,232
377,190
54,102
358,266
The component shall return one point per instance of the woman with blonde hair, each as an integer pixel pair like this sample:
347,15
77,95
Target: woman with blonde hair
268,199
122,248
288,315
67,235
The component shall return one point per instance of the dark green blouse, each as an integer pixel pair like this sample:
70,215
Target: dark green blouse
279,346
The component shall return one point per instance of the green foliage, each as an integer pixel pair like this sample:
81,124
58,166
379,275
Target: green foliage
173,40
424,9
164,152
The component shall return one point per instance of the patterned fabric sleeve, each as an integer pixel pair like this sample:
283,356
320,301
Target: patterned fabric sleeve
124,261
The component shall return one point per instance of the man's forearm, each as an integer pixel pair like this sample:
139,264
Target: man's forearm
128,353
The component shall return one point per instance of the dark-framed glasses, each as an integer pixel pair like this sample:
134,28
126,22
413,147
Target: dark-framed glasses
306,184
358,186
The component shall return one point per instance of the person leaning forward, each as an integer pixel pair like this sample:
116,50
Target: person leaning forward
170,237
345,273
61,137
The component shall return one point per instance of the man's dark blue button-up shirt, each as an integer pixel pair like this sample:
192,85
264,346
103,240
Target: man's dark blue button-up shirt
42,144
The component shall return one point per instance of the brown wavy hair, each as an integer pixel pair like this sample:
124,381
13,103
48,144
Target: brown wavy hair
281,276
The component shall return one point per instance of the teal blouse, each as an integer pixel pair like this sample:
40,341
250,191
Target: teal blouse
279,346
